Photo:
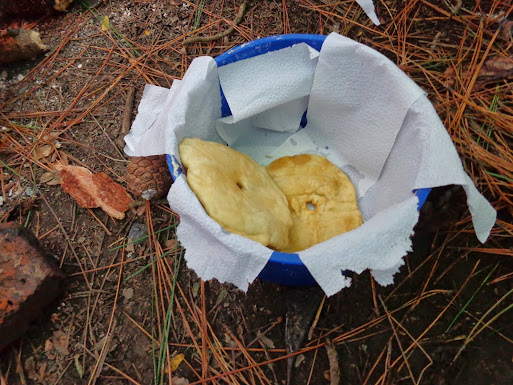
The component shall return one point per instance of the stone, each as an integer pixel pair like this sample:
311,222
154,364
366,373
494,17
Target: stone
29,281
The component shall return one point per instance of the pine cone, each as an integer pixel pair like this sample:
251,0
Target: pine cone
148,176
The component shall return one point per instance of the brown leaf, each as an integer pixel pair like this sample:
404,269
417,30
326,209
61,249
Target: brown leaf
507,30
94,190
128,293
30,368
170,244
47,177
44,151
449,75
49,346
494,70
42,371
54,182
265,340
61,342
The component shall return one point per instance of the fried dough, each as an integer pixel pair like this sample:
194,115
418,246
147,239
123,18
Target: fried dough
236,192
321,198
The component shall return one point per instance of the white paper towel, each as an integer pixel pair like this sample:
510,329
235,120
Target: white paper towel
358,109
364,114
368,8
191,108
210,250
268,80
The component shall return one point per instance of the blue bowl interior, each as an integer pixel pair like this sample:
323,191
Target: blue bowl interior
283,268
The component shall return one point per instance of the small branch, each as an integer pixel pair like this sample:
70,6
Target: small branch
205,39
127,117
127,113
333,360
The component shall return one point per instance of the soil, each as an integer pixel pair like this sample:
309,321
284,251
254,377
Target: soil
409,332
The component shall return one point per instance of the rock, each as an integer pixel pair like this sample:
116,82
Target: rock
29,281
20,44
138,233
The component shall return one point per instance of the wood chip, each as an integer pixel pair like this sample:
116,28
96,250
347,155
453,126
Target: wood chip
94,190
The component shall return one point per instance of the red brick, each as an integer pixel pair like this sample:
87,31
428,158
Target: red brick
29,281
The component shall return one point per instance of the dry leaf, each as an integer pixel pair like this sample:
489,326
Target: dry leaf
195,289
179,381
42,371
30,368
265,340
221,296
494,70
94,190
61,342
78,365
49,346
112,344
128,293
170,244
105,23
507,30
47,177
299,360
54,182
147,32
44,151
175,362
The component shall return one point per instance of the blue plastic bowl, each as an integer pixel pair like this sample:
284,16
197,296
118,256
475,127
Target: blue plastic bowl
282,268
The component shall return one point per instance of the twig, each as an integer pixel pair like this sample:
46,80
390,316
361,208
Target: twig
205,39
316,319
333,360
127,114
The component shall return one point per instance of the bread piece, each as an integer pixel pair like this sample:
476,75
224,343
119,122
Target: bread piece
236,192
312,180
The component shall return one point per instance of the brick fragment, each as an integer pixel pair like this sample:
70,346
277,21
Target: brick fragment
29,281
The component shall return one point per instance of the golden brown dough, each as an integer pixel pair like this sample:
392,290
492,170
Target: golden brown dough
236,192
314,179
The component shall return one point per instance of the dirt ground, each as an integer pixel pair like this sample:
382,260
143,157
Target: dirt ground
127,312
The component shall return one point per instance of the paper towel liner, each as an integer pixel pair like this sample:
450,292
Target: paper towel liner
421,155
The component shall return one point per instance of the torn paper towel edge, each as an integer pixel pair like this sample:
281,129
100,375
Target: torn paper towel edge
217,253
344,101
370,11
150,107
441,166
284,118
387,234
289,80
